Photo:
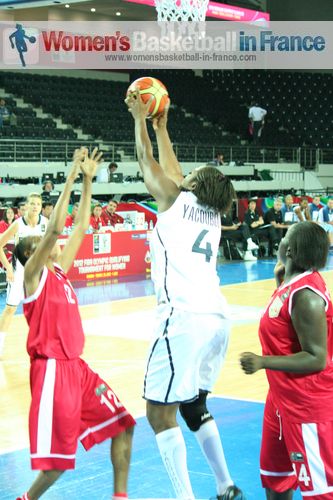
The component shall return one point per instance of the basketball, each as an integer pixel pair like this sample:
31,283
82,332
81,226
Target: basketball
150,86
32,39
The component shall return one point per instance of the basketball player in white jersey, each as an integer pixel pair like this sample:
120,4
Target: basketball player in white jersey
32,224
193,325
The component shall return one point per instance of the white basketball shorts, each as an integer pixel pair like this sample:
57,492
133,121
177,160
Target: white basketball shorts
186,355
15,290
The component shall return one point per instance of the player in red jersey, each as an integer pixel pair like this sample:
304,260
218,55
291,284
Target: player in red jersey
297,343
69,401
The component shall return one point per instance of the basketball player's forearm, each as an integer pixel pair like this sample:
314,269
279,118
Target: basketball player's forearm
167,157
4,261
301,362
143,145
83,216
58,218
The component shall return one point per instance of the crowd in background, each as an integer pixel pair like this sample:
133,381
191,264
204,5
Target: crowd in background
272,225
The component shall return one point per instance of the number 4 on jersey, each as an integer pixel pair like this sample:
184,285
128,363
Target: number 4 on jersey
303,476
207,250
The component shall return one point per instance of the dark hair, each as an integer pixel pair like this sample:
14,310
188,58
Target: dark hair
5,218
95,206
46,182
112,164
19,251
47,204
113,201
21,204
309,246
214,190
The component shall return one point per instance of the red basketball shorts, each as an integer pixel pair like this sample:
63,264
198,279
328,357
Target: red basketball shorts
69,403
296,455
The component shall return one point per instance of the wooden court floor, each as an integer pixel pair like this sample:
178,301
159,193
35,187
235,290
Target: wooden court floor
117,339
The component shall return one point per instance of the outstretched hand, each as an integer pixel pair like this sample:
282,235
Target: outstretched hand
78,157
251,362
160,121
136,106
89,164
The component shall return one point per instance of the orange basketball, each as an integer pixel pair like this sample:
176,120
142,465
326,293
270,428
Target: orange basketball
150,86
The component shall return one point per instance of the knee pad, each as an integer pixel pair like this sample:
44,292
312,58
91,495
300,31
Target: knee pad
195,413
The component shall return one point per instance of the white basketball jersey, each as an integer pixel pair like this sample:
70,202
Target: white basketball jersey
24,229
184,246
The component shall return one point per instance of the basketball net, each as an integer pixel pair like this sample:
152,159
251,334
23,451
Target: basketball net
181,10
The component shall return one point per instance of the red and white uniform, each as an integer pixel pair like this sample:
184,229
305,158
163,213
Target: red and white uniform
69,401
298,421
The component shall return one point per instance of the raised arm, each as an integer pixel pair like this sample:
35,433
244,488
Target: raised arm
163,189
309,320
42,252
88,167
8,235
167,158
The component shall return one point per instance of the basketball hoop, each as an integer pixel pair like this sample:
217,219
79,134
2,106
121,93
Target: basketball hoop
181,10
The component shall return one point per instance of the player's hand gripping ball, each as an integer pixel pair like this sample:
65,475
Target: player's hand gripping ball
151,88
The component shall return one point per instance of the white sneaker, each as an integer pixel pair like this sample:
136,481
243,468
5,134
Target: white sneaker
248,255
251,245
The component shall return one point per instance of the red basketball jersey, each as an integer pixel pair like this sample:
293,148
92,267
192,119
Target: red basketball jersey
299,398
52,313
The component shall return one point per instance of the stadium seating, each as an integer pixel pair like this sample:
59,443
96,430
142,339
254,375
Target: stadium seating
209,110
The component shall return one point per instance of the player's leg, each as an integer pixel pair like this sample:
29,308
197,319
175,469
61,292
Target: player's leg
310,449
121,448
274,495
54,421
103,417
276,471
171,444
42,483
5,321
172,377
249,244
14,296
200,421
196,413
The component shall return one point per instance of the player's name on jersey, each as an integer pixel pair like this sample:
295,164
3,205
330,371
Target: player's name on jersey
201,215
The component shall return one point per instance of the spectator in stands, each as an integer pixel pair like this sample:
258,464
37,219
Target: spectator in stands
21,209
288,214
218,160
105,174
236,231
4,113
303,210
47,208
315,207
96,221
109,215
325,219
274,217
259,230
70,218
48,187
256,116
8,218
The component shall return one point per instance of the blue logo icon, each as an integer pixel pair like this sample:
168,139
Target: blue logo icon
18,41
